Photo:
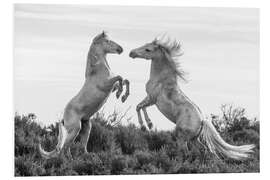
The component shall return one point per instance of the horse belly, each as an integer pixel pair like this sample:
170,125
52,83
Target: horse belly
90,101
95,104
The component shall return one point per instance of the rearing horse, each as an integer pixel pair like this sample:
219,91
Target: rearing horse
163,90
99,83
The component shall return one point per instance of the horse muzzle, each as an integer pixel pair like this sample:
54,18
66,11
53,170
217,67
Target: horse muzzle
132,54
119,50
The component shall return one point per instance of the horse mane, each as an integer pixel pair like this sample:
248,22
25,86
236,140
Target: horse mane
100,36
172,50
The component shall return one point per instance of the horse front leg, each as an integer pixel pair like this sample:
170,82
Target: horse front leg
118,85
111,85
142,105
120,89
140,119
147,119
124,97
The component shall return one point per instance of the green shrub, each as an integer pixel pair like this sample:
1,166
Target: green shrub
119,149
23,167
162,160
89,164
101,138
119,163
156,140
143,157
130,139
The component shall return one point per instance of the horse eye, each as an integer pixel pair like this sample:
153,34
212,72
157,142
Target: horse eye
147,50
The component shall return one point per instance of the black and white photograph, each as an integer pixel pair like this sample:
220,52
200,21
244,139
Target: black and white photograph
132,90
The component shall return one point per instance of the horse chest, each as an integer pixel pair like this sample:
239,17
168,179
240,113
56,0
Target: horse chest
153,88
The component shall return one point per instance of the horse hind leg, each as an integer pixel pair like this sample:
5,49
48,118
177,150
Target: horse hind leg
186,133
85,133
73,130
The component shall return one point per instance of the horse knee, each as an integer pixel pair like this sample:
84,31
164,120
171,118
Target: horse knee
85,124
88,126
77,127
138,107
74,127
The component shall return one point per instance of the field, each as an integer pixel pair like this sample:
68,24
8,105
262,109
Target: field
125,149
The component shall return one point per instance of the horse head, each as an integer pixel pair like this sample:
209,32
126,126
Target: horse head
104,44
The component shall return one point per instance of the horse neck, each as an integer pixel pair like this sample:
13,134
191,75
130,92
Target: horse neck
96,56
161,69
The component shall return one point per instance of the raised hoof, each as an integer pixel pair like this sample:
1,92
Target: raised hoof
150,125
143,128
124,98
118,94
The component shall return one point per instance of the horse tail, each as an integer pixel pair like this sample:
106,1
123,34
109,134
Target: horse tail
61,141
211,138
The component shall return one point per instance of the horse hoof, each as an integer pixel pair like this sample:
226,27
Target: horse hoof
150,125
118,94
143,128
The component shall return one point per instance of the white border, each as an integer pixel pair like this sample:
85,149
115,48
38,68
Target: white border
6,81
200,3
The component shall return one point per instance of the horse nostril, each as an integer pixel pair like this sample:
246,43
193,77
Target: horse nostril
120,50
132,54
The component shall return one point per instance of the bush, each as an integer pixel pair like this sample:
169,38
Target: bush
88,164
143,157
101,138
119,163
119,149
156,140
130,139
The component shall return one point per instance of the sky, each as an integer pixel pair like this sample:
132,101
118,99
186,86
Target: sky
51,42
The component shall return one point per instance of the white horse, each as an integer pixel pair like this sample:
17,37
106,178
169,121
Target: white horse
163,90
99,83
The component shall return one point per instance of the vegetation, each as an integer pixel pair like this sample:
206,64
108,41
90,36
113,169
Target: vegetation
118,149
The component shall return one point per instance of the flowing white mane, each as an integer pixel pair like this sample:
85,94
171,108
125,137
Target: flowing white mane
173,49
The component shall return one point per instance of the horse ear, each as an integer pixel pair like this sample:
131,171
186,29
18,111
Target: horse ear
166,54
